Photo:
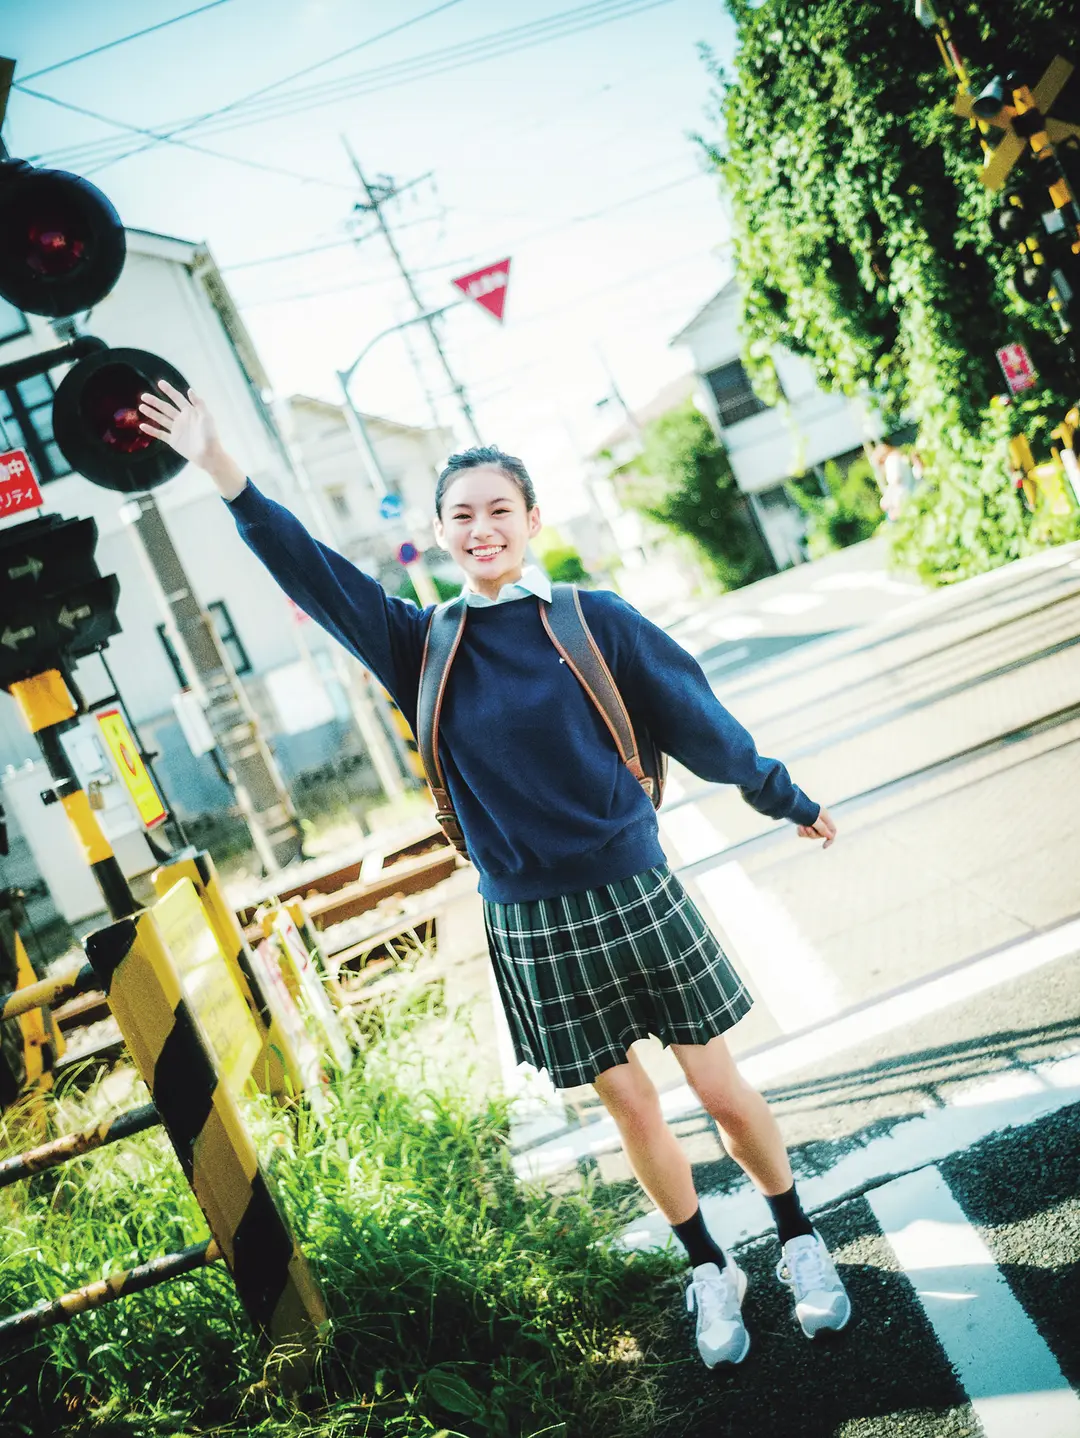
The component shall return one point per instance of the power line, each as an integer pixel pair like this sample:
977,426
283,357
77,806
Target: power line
183,144
463,260
285,79
420,67
123,40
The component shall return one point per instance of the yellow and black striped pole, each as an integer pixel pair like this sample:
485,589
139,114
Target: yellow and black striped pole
108,1290
206,1128
405,741
74,1145
278,1070
48,710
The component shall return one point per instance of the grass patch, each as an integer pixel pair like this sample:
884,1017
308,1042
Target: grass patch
461,1301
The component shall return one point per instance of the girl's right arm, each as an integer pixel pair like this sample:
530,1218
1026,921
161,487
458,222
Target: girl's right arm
386,633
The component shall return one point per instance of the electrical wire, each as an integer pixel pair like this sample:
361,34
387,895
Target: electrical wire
123,40
263,90
188,144
421,67
463,260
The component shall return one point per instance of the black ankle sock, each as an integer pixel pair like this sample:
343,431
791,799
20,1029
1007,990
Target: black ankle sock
788,1215
698,1241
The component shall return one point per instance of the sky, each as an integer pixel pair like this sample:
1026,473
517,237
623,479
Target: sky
553,132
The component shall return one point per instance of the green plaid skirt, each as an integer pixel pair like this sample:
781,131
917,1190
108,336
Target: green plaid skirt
584,975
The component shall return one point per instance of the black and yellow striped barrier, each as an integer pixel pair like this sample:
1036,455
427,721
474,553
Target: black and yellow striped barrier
278,1070
74,1145
216,1151
406,740
48,711
43,1043
108,1290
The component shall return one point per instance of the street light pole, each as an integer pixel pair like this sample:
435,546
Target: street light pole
417,570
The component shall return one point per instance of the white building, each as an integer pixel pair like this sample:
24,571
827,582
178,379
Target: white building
768,446
409,457
172,301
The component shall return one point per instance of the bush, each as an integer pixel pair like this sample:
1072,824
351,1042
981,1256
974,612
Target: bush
462,1302
848,514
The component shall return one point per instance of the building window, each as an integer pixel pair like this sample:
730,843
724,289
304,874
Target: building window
735,400
230,640
339,502
26,415
172,656
12,322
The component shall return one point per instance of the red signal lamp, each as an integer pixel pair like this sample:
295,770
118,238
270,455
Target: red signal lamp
96,420
62,245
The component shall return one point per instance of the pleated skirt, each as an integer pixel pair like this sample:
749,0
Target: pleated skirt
585,975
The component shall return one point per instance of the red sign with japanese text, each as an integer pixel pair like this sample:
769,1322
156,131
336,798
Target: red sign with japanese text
1017,368
18,487
488,287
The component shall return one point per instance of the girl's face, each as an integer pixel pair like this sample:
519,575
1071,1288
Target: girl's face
485,528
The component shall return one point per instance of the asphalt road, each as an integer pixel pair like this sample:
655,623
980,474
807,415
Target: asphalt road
917,1017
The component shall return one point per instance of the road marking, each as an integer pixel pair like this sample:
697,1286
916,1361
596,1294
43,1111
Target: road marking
794,982
791,604
736,626
986,1108
1011,1377
830,1039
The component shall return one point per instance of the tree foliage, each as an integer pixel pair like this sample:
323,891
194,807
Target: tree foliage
861,240
684,481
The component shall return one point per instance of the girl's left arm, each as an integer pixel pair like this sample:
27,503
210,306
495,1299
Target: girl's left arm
668,688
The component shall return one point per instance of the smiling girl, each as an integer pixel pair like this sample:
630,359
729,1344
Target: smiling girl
593,940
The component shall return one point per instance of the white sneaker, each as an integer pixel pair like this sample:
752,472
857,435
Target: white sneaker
717,1294
821,1301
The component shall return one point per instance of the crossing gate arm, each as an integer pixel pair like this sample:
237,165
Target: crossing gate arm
74,1145
75,980
108,1290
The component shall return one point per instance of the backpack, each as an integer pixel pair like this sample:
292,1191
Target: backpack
570,634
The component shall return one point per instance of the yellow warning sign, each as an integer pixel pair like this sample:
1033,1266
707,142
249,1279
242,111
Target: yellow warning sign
132,770
209,985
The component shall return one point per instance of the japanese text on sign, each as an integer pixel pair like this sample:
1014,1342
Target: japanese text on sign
18,486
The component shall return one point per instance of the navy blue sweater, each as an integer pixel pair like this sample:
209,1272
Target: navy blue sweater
546,804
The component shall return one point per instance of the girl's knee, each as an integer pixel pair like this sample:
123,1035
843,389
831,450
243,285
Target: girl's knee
630,1097
730,1102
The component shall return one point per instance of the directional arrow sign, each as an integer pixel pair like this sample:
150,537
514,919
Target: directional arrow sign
46,555
29,569
14,637
85,618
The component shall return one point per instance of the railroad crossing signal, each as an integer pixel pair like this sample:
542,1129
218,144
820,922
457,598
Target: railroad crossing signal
56,605
62,250
1001,159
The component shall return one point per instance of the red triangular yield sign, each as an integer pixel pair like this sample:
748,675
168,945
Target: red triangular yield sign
488,286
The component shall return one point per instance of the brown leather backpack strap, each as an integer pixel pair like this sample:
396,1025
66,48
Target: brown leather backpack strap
444,633
571,636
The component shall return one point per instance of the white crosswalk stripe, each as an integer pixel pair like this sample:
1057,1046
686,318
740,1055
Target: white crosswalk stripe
1014,1382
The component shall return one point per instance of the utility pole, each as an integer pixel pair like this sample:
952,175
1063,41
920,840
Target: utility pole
261,795
350,671
376,198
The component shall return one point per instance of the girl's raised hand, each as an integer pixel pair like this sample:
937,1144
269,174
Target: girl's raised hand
183,422
822,828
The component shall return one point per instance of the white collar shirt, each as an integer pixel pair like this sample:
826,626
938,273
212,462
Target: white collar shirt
533,582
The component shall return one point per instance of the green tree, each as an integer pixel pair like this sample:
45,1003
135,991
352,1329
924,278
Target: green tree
861,240
565,566
684,481
848,513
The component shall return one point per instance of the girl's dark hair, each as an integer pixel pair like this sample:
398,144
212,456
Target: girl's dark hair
481,455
